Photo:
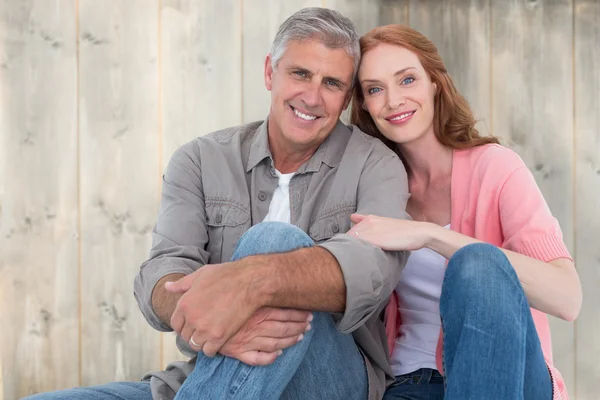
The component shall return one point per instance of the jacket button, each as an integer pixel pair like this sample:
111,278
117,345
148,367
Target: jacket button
335,228
262,196
218,218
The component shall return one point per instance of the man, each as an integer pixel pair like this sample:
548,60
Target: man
275,198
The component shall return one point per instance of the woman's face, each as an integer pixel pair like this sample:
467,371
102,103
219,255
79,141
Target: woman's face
398,93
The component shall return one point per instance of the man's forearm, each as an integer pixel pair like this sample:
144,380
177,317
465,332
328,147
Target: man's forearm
306,279
164,302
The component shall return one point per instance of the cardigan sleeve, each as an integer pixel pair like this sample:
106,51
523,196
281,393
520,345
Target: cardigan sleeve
528,225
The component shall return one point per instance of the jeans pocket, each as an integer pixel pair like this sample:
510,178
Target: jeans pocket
401,380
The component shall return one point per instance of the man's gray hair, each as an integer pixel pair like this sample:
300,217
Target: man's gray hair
322,24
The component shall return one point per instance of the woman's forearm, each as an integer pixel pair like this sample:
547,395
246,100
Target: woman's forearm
551,287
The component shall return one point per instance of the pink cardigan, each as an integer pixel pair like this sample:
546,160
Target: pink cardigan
495,199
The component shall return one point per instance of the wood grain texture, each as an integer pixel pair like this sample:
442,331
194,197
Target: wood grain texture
262,19
532,111
118,103
461,32
201,70
587,156
368,14
155,74
38,197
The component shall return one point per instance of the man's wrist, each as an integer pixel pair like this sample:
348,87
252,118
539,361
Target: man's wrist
257,277
163,302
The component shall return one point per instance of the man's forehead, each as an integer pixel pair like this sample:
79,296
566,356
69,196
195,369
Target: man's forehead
318,59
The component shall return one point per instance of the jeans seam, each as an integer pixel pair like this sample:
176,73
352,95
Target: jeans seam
235,390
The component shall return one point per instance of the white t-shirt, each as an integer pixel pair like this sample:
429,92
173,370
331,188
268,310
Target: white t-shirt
279,209
419,293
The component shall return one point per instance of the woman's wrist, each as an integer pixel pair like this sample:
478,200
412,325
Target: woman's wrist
432,234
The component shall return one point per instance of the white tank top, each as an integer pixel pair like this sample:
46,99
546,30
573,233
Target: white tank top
419,305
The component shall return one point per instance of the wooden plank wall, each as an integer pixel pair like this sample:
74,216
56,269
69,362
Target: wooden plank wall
96,96
118,185
587,183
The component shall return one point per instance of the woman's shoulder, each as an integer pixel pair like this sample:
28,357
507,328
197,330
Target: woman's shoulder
489,160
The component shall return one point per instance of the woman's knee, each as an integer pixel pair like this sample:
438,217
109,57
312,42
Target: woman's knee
478,263
477,270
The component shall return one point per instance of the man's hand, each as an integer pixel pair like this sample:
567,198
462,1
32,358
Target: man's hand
266,334
217,301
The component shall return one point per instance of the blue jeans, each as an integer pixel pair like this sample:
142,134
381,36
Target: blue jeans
326,364
491,347
423,384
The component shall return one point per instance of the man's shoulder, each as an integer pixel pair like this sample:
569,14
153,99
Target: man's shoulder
225,136
216,145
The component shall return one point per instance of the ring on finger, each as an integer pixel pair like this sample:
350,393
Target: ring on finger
192,343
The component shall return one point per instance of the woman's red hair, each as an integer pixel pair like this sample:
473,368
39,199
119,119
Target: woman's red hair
453,120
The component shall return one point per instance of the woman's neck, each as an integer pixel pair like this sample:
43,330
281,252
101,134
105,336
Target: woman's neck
428,160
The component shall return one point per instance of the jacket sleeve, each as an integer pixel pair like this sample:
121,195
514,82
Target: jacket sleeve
528,225
180,234
370,273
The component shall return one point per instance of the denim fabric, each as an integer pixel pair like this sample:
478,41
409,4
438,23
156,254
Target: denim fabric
491,347
111,391
423,384
326,364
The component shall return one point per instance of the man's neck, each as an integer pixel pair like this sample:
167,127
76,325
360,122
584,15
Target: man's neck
287,158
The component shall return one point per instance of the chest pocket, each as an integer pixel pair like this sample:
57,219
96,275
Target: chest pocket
331,222
226,221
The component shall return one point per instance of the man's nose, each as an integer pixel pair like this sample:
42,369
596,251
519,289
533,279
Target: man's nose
312,95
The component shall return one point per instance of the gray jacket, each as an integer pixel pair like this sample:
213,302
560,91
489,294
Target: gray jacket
217,186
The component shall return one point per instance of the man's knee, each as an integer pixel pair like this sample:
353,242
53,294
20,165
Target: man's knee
272,237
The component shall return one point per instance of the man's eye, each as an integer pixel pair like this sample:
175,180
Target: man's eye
300,73
333,83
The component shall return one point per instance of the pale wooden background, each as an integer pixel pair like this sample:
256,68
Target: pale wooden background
95,95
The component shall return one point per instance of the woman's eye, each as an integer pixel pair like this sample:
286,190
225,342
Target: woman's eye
373,90
408,80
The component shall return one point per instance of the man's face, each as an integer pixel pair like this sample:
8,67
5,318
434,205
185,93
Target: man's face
310,87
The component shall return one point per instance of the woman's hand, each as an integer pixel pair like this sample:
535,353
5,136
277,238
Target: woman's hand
390,233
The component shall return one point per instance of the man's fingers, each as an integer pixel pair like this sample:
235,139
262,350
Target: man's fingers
288,314
258,357
277,329
187,332
177,321
210,349
195,343
181,286
272,345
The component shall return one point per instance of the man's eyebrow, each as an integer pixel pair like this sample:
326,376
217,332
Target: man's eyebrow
403,70
298,68
338,81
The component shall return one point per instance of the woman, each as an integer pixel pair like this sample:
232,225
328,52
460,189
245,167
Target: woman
485,247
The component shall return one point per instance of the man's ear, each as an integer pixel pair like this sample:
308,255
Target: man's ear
268,72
